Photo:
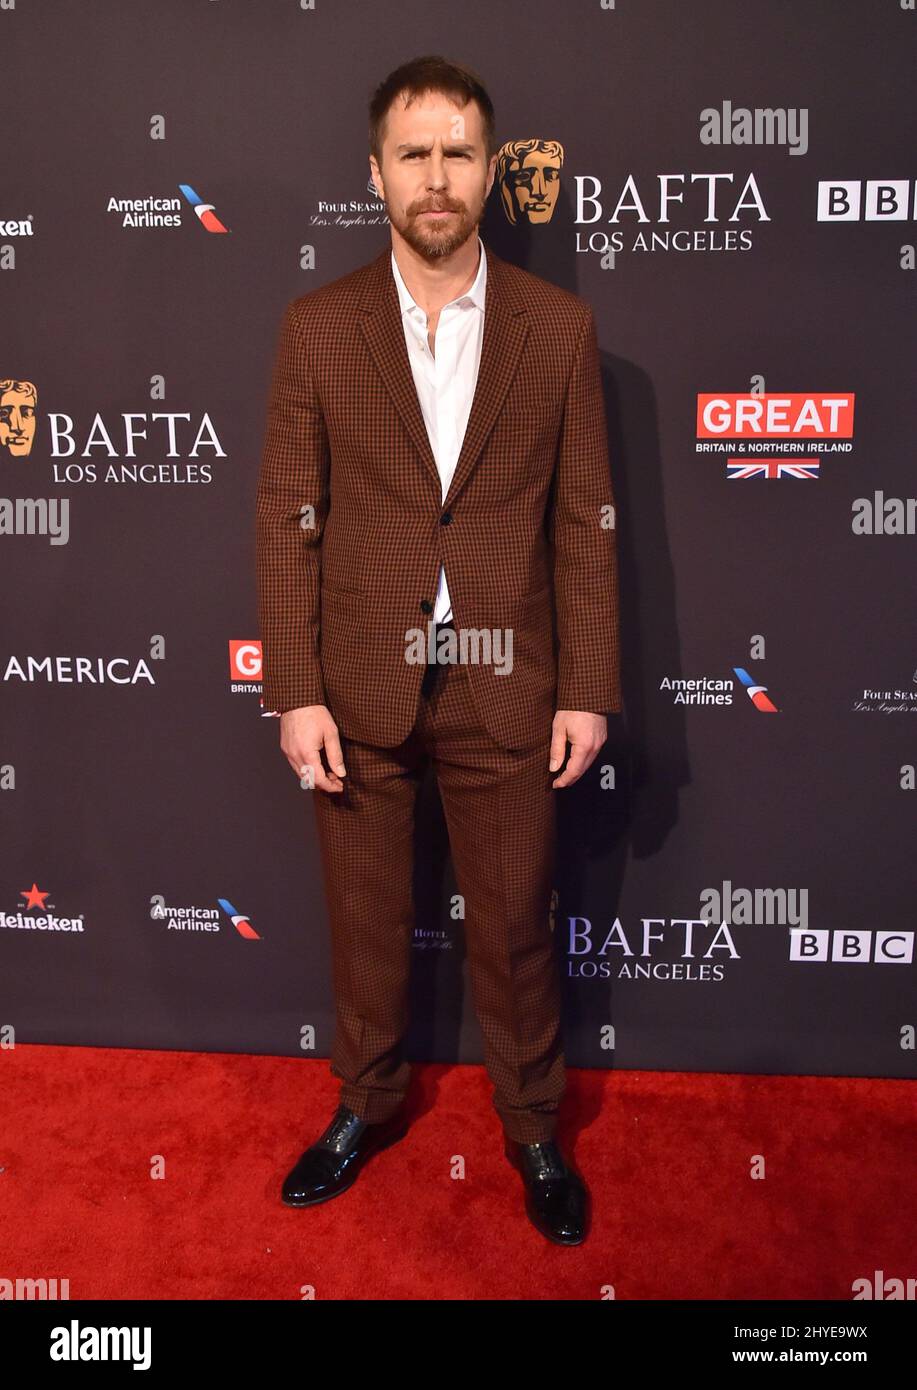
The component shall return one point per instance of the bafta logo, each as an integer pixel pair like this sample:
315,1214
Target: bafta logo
528,172
18,402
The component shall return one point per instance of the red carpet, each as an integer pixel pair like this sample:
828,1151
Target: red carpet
667,1155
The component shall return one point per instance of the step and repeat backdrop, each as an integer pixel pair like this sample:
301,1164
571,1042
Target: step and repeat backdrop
732,186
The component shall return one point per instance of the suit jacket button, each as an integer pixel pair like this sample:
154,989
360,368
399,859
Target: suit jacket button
446,519
426,605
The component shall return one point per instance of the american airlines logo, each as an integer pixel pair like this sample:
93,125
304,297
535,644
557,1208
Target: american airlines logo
191,919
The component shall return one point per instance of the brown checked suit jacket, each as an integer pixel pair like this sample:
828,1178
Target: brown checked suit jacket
351,527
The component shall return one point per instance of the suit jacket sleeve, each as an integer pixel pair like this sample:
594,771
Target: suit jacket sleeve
294,473
585,543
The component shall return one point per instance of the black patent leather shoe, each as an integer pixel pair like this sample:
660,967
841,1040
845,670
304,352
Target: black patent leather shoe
334,1162
556,1198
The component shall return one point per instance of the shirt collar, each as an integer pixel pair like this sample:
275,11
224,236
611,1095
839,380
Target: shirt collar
475,293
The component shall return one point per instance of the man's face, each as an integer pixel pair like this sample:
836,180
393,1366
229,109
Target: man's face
435,177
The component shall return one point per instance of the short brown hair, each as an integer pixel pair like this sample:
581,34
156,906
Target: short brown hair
430,74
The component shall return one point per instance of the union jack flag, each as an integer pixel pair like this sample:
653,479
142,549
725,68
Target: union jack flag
771,468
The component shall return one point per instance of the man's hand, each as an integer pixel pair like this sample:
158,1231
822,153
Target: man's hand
586,733
303,733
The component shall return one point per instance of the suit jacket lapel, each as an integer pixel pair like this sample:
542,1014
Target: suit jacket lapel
505,330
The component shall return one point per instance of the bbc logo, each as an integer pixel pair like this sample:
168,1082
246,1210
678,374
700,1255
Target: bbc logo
872,200
858,947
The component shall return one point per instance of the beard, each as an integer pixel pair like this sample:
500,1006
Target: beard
435,238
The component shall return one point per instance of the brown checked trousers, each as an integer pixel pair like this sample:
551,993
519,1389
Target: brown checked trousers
499,809
351,531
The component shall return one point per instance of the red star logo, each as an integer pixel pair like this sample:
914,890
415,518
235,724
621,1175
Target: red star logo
34,896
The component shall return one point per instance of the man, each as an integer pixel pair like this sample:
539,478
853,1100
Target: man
436,465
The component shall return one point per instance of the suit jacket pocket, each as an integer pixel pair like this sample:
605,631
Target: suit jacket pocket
350,600
533,405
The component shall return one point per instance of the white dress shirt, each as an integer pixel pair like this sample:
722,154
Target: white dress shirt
445,382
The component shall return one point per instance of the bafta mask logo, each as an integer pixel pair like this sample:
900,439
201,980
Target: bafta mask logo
528,172
18,403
